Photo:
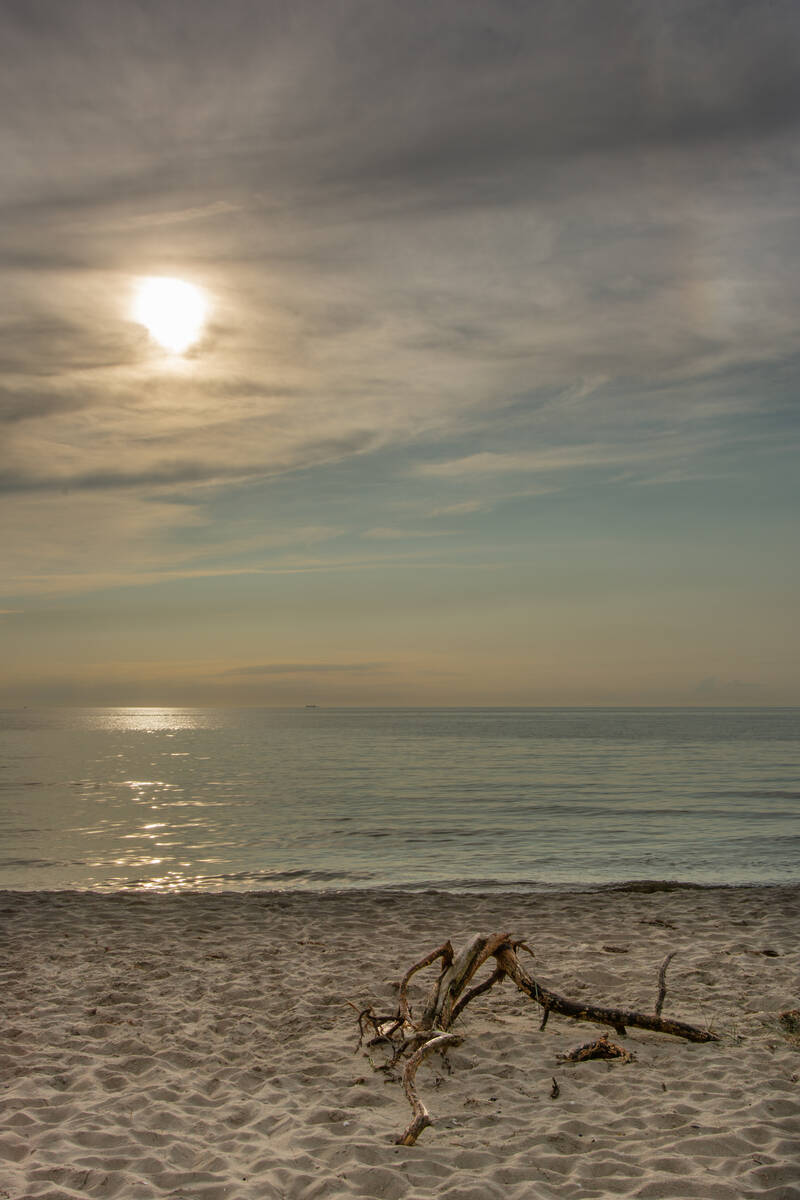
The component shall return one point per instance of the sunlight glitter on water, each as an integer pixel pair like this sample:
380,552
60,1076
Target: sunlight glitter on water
247,799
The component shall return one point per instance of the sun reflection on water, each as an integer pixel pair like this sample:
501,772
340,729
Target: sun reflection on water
154,720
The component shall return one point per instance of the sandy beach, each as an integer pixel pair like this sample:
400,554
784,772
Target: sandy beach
202,1046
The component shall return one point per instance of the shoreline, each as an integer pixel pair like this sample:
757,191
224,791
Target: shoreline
476,889
200,1046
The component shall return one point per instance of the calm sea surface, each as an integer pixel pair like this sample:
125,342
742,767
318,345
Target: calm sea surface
239,799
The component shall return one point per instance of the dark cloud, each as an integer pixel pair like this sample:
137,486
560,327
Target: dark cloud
166,474
48,345
26,405
158,474
152,98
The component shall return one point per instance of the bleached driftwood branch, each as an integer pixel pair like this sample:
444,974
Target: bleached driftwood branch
404,1034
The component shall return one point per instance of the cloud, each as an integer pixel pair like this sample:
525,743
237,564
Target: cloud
488,462
145,445
359,668
45,347
383,533
126,539
32,404
551,459
462,508
204,212
490,239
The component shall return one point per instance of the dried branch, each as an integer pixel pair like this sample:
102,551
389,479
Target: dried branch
602,1048
497,975
445,952
662,982
421,1117
617,1018
451,993
469,960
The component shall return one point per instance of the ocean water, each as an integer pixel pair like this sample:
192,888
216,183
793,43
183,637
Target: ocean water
235,799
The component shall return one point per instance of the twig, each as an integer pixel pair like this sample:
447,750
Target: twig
662,982
384,1027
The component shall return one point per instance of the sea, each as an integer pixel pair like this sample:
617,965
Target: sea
460,799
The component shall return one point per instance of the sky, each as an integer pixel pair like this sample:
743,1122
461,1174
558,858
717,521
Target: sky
497,397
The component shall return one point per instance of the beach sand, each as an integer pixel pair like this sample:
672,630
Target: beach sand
202,1046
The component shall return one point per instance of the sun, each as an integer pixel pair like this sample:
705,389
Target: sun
173,312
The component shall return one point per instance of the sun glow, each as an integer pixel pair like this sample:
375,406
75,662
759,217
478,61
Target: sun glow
172,311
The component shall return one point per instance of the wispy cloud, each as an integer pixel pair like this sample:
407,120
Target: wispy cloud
461,509
556,458
384,533
458,277
488,462
358,668
203,212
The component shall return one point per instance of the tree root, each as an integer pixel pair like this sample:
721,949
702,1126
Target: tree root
451,993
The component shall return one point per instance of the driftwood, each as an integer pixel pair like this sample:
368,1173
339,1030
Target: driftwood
662,983
421,1116
404,1034
602,1048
